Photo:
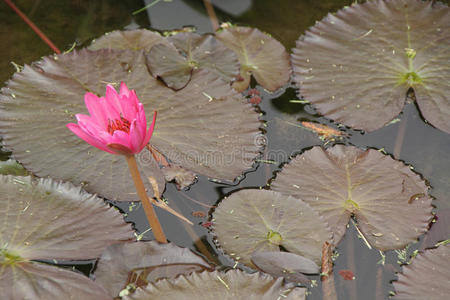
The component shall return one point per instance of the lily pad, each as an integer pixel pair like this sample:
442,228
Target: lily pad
132,39
192,51
29,280
389,201
356,65
262,220
440,230
232,285
427,277
44,219
285,264
39,101
148,261
260,55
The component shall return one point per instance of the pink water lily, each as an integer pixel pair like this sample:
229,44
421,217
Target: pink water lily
117,122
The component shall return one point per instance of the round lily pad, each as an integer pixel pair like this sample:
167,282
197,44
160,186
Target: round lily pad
39,101
44,219
356,65
29,280
262,220
148,261
260,55
427,277
389,201
232,285
191,52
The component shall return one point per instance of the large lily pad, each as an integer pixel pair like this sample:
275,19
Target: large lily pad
28,280
132,39
259,54
43,219
427,277
357,65
148,260
192,52
390,202
262,220
39,101
232,285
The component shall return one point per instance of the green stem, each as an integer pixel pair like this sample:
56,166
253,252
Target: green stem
148,208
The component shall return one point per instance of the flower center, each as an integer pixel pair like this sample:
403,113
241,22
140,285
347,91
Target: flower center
122,125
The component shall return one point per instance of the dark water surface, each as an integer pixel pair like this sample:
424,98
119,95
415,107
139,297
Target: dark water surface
411,140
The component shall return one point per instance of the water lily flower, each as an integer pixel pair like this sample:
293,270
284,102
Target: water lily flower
117,122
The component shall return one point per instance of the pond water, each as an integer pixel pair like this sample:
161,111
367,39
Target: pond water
411,140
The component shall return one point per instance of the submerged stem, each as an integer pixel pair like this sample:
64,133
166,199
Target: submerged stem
148,208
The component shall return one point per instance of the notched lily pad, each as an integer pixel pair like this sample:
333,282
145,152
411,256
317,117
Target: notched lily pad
260,55
142,262
262,220
389,201
285,264
29,280
192,51
140,39
232,285
43,219
356,65
40,140
427,277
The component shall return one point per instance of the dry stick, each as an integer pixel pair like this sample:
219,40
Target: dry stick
211,14
327,278
148,208
400,137
33,26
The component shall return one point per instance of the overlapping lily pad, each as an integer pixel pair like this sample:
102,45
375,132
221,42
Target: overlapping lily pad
140,39
192,130
427,277
43,219
231,285
285,264
389,201
262,220
148,261
260,55
357,65
191,52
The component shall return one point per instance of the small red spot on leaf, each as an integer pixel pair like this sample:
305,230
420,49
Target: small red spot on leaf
207,224
347,274
199,214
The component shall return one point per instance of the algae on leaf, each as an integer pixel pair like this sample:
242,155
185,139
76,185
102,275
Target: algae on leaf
390,202
356,66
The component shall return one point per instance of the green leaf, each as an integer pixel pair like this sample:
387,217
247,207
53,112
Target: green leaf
389,201
259,220
356,66
232,285
427,277
260,55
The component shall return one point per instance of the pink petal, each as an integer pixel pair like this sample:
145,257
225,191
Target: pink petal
150,131
95,108
129,105
112,98
124,91
136,138
89,126
111,112
122,138
87,138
